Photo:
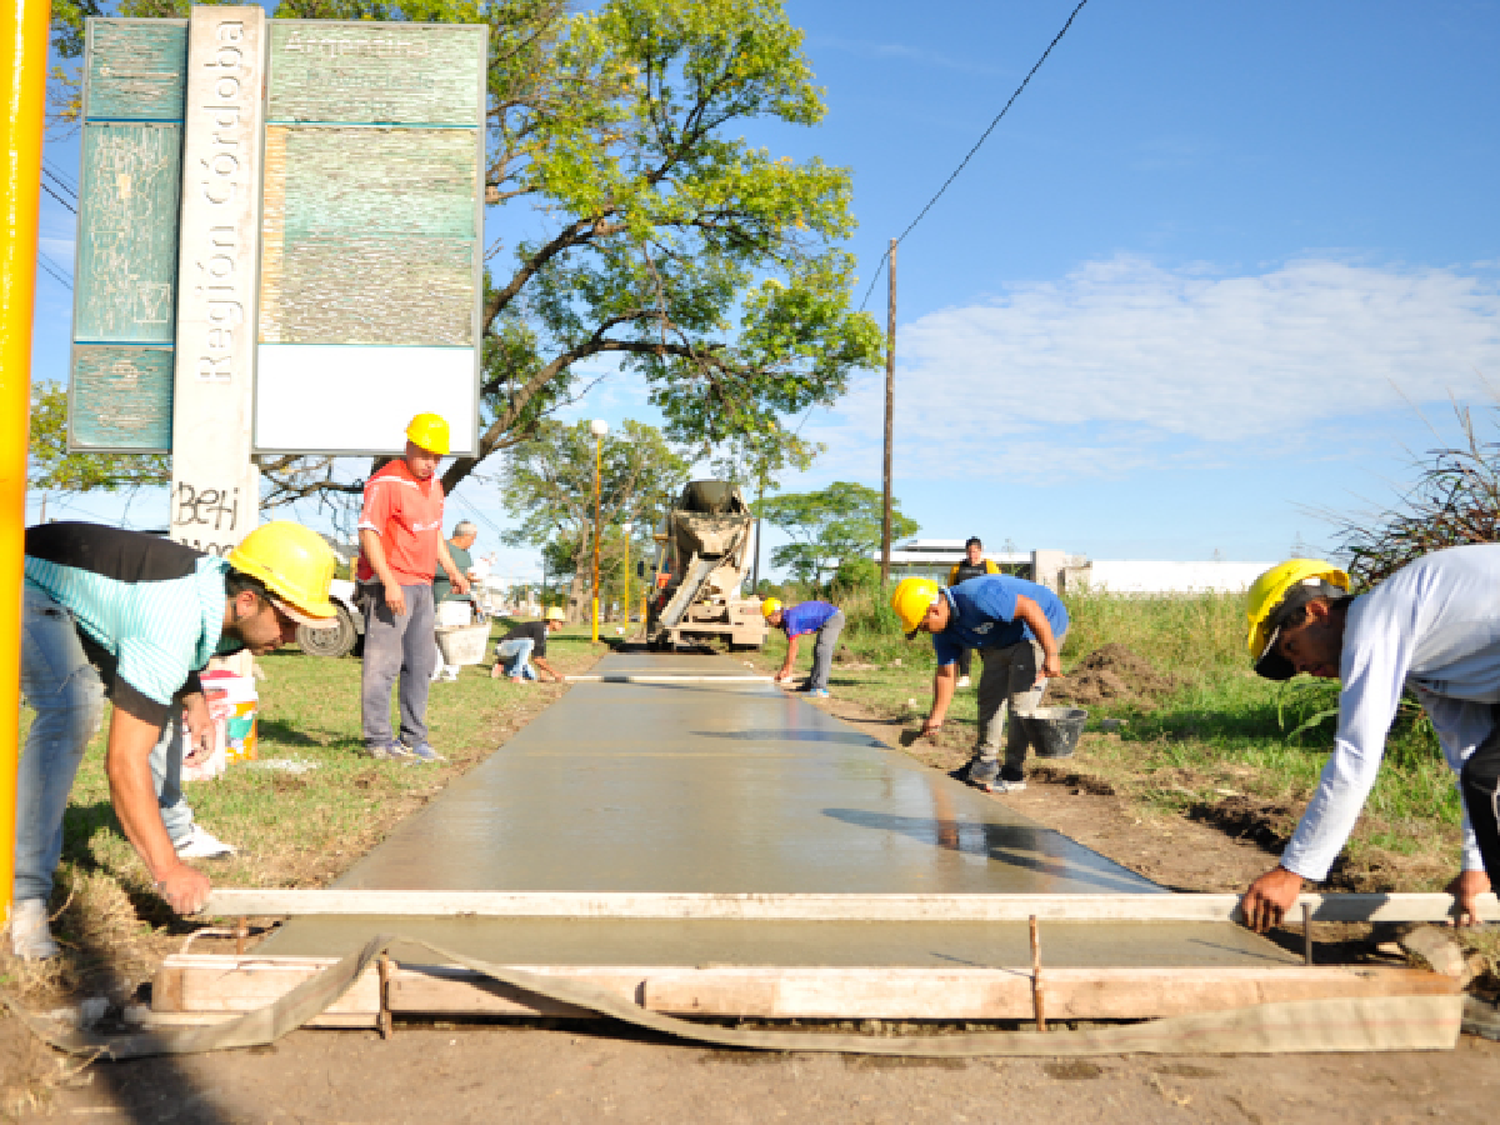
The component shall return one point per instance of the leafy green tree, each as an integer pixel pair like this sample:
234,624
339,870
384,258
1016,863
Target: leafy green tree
50,468
548,486
837,524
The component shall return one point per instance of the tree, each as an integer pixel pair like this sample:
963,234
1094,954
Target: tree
51,468
841,522
548,485
1456,500
701,264
756,460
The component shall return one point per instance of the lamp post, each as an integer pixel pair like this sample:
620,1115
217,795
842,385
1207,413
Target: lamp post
627,528
598,427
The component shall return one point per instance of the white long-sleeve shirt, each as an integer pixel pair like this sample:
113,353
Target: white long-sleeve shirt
1433,625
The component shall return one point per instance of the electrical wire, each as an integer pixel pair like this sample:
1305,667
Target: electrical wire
884,258
54,271
60,180
60,199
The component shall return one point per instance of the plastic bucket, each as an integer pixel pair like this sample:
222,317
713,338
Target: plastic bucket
465,644
1054,731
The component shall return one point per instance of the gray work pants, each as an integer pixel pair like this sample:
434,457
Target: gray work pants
826,640
1006,686
396,646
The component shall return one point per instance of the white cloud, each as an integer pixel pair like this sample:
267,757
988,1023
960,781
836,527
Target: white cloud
1125,364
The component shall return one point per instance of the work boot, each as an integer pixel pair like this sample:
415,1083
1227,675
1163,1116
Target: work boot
30,936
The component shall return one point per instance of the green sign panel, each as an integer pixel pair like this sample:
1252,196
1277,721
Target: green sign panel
125,278
413,74
136,70
369,236
122,399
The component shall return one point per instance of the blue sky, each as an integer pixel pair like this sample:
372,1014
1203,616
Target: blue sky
1219,269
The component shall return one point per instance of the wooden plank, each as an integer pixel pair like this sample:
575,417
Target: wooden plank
242,984
216,983
825,907
667,678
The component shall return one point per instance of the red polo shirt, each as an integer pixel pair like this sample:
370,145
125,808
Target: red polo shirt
407,514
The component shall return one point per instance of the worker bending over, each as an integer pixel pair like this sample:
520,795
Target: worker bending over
827,621
523,644
134,618
974,565
1433,627
1018,628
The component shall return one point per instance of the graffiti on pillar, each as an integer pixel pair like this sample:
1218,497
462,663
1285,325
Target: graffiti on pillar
207,518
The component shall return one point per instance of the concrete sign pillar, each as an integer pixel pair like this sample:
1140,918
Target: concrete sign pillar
215,486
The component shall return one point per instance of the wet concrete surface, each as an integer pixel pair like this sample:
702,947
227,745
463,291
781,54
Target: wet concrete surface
736,787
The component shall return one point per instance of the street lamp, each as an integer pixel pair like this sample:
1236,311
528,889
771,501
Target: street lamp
626,528
598,427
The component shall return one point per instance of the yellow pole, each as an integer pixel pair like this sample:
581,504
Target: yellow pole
597,442
625,601
23,42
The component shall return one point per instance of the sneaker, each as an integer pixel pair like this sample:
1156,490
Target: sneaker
423,752
983,774
1005,785
963,681
818,693
30,936
392,752
199,844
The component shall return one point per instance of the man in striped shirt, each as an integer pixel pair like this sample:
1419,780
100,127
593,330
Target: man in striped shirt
134,618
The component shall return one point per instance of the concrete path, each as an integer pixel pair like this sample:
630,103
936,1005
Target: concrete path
736,787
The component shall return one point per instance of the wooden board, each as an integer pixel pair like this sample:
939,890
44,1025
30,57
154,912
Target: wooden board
217,984
825,907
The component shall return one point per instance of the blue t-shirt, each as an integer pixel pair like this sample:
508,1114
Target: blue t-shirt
983,615
808,617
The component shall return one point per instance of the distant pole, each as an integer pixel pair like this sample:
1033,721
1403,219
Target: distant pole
598,427
626,529
890,409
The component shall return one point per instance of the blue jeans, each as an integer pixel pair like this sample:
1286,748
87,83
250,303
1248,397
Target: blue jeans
65,691
516,656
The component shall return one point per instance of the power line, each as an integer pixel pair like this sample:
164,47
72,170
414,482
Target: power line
60,199
977,145
54,271
60,180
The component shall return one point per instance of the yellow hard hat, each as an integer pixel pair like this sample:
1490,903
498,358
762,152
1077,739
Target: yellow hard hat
911,601
554,614
293,562
770,606
1268,592
430,431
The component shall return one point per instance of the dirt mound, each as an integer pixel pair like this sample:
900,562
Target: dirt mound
1114,673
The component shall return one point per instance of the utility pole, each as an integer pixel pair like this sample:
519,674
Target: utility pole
890,408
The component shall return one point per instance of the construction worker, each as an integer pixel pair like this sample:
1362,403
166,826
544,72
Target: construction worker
974,565
525,643
1018,628
134,618
401,545
821,618
1433,627
454,609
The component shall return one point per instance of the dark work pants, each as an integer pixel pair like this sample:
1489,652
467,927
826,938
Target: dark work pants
1479,781
397,647
965,660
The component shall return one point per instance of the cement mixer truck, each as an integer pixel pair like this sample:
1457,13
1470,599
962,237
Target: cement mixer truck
702,560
